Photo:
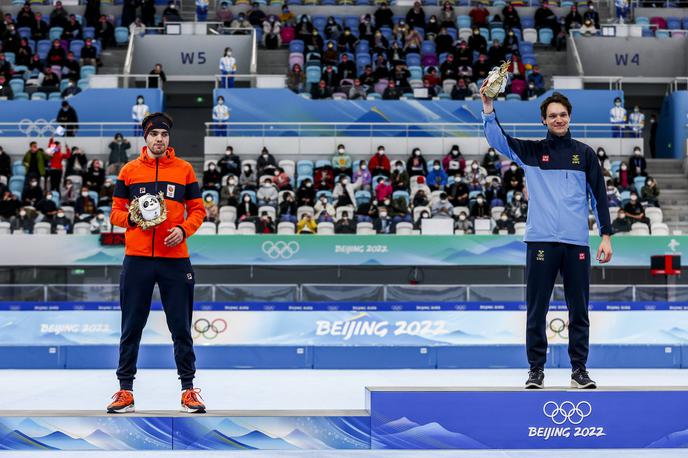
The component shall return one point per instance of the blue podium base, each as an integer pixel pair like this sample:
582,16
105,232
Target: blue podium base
396,418
340,357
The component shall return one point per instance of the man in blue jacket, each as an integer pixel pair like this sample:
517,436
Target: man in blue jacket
561,173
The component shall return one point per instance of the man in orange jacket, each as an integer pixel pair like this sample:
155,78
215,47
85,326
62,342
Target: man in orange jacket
157,255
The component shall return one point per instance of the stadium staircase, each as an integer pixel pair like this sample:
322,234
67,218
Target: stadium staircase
673,186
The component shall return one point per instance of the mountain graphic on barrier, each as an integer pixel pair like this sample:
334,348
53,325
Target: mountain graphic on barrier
17,440
514,250
61,441
430,435
679,439
104,441
254,440
99,258
303,441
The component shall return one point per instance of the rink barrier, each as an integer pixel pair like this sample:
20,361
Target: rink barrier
341,357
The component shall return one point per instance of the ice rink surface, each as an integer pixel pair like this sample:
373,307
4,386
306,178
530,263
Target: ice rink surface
293,390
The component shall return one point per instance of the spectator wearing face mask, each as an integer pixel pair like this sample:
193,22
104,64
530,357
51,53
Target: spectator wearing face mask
95,176
491,162
637,164
420,199
622,223
341,162
623,181
9,206
100,224
475,177
35,161
518,208
230,163
399,211
105,194
343,193
400,178
442,208
362,178
138,112
324,178
463,223
32,193
306,225
220,117
61,224
416,164
248,179
617,116
634,210
494,193
603,158
69,193
265,224
267,194
437,177
281,180
649,194
24,221
379,164
211,210
637,122
118,154
514,171
383,189
305,195
418,224
247,210
231,192
288,208
55,170
504,225
68,119
47,207
366,211
345,225
383,223
613,195
454,162
85,207
458,192
480,209
266,163
324,210
211,178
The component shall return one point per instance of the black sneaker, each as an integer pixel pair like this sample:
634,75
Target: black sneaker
536,379
581,379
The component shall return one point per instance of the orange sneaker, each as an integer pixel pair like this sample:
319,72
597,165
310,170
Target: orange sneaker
123,402
191,401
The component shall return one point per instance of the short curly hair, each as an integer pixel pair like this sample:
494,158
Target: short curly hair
556,97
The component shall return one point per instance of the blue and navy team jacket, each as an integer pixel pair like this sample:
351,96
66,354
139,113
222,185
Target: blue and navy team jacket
561,173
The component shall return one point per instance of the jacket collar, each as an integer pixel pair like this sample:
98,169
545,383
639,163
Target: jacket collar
555,140
166,159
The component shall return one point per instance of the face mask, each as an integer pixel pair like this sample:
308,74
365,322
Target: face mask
474,166
455,152
233,181
308,185
101,217
436,167
22,213
363,166
462,217
637,152
49,197
383,214
247,199
623,167
503,218
622,215
247,169
228,153
513,168
491,153
266,185
340,150
220,102
618,104
344,182
84,194
600,153
139,101
416,153
380,151
208,199
480,200
34,184
633,198
211,168
518,198
265,154
400,169
60,215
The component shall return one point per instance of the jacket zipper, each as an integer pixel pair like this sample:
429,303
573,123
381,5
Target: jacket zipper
156,193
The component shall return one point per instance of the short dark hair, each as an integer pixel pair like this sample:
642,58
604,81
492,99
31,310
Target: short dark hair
556,97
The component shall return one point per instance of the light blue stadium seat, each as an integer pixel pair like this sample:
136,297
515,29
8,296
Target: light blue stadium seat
313,75
89,32
662,34
301,178
644,21
513,97
362,197
21,96
497,34
251,193
296,46
362,47
304,167
16,184
24,32
413,59
545,36
325,193
54,96
42,48
322,163
55,33
82,84
527,22
639,182
39,96
17,85
87,70
428,47
416,73
463,22
18,168
10,57
673,23
121,35
403,194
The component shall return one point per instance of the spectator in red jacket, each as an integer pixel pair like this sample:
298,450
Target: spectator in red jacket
379,163
58,155
383,190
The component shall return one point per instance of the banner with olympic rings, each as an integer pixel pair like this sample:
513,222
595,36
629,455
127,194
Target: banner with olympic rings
344,324
344,250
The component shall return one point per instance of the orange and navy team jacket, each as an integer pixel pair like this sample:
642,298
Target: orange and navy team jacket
176,179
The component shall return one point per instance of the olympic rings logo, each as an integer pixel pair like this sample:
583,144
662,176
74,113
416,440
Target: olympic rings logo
283,250
209,329
558,327
567,411
39,127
